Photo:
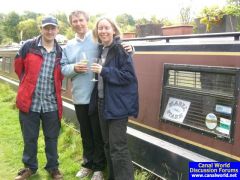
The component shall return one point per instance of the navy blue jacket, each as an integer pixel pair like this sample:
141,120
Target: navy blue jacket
120,84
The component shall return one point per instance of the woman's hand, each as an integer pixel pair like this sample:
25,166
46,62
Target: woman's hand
96,68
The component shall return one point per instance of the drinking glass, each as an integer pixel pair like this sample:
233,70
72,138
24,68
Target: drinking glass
95,60
81,58
81,62
84,59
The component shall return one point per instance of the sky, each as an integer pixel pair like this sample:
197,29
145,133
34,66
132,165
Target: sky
137,8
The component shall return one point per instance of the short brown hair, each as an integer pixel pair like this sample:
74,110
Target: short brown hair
77,13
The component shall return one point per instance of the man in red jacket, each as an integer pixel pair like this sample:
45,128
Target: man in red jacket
37,65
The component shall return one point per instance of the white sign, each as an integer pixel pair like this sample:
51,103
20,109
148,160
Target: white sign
223,109
176,110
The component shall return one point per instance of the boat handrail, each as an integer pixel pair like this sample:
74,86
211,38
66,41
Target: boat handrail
168,38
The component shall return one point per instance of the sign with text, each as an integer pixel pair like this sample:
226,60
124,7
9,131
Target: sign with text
176,109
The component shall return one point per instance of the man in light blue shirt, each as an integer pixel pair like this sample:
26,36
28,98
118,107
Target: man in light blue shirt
82,86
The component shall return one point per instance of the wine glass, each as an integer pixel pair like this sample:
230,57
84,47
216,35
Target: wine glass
77,58
81,62
84,59
95,60
81,58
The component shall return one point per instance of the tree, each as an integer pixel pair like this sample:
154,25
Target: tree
2,34
63,27
10,26
154,20
69,33
125,22
93,20
29,15
211,15
62,22
232,8
125,19
2,16
61,17
142,21
234,2
28,29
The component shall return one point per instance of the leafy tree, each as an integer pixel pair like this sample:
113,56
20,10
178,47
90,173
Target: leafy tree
10,26
39,20
2,16
232,8
125,19
154,20
63,27
211,15
61,17
2,34
125,22
93,20
165,22
69,33
7,41
233,2
29,15
62,22
142,21
28,29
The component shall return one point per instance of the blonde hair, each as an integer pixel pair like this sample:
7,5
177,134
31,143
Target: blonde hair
113,24
77,13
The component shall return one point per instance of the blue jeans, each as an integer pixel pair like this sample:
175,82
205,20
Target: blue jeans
30,126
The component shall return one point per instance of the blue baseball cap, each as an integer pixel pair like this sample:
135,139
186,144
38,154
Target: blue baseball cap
49,20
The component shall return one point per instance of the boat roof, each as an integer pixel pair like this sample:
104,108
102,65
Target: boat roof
211,38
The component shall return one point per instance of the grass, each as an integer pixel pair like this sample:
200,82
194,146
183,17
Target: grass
11,144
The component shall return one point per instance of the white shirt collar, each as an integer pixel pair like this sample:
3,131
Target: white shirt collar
85,36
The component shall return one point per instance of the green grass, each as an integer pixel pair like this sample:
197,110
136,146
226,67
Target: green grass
11,144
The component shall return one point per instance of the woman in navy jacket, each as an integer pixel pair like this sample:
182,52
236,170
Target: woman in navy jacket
116,92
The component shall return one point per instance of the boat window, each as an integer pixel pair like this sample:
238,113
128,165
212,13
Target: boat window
64,83
1,63
201,98
7,67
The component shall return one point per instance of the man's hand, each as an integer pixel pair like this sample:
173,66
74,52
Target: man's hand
80,68
127,47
